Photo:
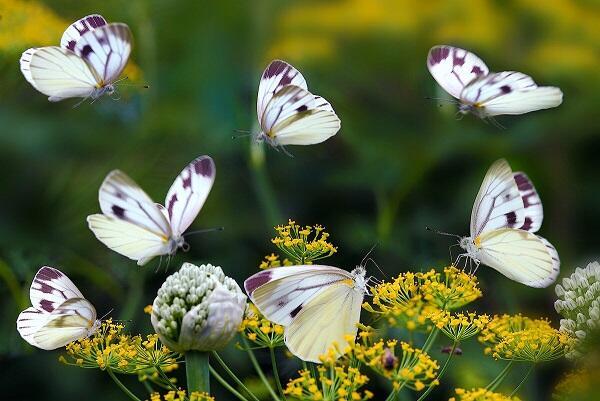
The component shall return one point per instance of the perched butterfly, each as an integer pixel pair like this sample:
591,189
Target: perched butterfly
288,114
59,315
317,305
506,214
466,77
91,56
134,226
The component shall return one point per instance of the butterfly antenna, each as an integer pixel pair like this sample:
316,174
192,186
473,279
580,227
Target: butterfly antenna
378,268
442,232
244,133
362,262
453,101
206,230
106,314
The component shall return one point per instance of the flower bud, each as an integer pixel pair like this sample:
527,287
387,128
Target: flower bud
198,308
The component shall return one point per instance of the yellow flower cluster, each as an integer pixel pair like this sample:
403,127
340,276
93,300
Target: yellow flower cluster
261,331
459,326
520,338
579,385
111,348
332,383
303,245
411,298
181,395
400,363
273,260
480,394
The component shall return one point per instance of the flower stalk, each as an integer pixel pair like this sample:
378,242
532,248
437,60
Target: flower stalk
197,371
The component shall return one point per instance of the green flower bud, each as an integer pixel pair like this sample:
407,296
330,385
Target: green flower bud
198,308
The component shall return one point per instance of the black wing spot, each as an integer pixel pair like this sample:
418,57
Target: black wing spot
118,211
296,310
302,108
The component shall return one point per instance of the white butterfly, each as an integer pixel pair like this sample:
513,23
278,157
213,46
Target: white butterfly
59,315
91,56
288,114
466,77
134,226
506,214
317,305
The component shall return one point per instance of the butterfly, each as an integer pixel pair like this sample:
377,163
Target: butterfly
288,114
91,56
466,77
506,214
59,315
136,227
317,305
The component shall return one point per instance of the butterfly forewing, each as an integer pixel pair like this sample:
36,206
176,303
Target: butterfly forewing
454,68
189,192
277,75
498,203
532,204
80,27
328,318
58,73
51,288
106,49
521,256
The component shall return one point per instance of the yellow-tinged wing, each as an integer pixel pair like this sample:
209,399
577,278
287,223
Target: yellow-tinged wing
520,255
326,319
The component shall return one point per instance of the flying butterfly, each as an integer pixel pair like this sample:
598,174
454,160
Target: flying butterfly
91,56
288,114
506,215
59,315
317,305
136,227
486,94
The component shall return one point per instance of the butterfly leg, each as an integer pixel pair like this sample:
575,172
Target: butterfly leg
286,151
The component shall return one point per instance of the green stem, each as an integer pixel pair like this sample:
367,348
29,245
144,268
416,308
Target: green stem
121,385
163,375
501,376
394,393
224,383
430,339
524,380
148,387
260,372
232,375
276,372
196,368
440,374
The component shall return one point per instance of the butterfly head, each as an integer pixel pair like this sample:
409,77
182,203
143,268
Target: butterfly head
176,243
94,327
102,90
470,245
360,281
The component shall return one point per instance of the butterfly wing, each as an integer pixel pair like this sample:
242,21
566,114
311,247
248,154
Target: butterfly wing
509,92
277,75
71,321
106,48
521,256
188,193
58,73
499,203
29,322
533,210
297,117
281,293
454,68
51,288
325,320
80,27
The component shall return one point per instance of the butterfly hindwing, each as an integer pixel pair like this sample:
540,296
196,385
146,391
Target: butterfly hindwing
189,192
58,73
454,68
80,27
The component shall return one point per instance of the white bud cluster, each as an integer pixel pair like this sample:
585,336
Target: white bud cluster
579,303
198,308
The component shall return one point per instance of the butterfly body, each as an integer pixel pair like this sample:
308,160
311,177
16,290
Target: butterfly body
506,215
88,62
133,225
59,313
317,305
483,93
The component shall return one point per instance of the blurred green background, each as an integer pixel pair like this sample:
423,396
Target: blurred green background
399,163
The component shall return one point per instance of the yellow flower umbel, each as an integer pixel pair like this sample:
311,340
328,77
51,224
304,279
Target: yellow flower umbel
303,245
181,395
400,363
256,328
452,291
332,383
480,394
459,326
111,348
580,385
273,260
